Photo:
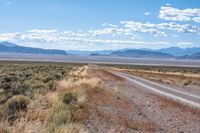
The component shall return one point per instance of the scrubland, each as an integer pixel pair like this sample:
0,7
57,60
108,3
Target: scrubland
76,98
31,99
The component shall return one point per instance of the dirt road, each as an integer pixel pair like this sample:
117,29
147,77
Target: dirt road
181,96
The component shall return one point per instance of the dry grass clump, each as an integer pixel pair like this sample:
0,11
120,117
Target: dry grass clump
187,82
17,103
80,72
68,97
60,114
63,114
2,111
72,95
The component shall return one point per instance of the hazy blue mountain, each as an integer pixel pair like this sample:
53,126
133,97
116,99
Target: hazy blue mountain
141,54
95,54
103,52
176,51
8,44
7,47
195,56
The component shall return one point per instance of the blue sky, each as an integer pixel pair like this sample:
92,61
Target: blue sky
100,24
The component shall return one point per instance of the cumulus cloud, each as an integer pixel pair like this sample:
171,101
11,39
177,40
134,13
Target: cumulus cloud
181,28
105,31
196,19
174,14
126,33
131,26
68,39
185,44
39,31
110,25
154,29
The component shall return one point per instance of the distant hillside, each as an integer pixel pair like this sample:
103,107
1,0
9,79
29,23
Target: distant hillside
179,51
195,56
141,54
7,47
103,52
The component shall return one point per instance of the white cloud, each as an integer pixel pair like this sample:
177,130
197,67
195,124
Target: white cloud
131,26
155,28
66,40
41,31
185,44
174,14
181,28
125,34
196,19
147,13
110,25
168,4
105,31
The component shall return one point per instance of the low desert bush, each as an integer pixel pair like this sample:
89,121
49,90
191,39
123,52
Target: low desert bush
68,97
59,114
17,103
187,82
2,112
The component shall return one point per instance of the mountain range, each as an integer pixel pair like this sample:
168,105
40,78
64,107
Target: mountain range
7,47
176,51
172,52
140,53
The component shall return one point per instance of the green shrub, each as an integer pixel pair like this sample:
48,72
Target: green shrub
51,84
60,114
19,90
187,82
2,111
67,97
58,76
17,103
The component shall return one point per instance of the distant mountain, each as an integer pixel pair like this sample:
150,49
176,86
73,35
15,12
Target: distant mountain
141,54
95,54
195,56
8,44
100,52
7,47
179,51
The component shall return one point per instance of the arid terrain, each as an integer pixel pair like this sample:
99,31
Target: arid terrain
38,97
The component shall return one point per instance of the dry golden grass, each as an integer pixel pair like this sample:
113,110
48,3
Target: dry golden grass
73,88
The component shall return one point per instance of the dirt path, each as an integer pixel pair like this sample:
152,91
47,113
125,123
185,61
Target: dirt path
182,96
